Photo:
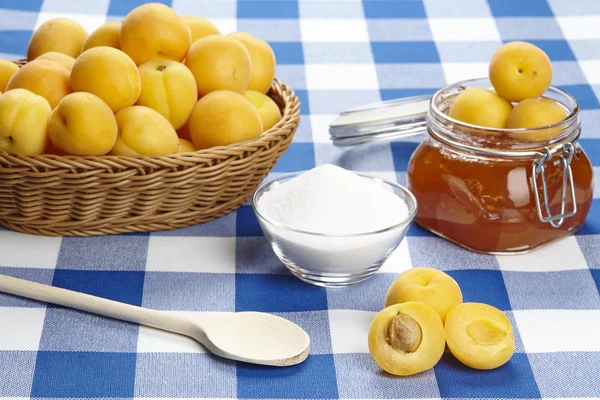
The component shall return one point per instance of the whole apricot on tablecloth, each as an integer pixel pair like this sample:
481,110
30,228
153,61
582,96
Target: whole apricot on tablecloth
168,87
219,63
143,131
519,71
223,117
262,58
268,111
109,74
63,59
46,78
407,338
154,30
59,34
479,335
23,122
480,107
185,146
7,70
431,286
83,125
200,27
105,35
536,113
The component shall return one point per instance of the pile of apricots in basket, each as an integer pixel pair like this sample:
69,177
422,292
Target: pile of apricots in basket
154,84
424,311
520,74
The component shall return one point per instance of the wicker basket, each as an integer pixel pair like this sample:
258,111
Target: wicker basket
86,196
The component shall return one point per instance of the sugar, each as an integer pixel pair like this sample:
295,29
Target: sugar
332,200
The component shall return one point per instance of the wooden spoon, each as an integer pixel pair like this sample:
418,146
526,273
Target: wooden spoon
252,337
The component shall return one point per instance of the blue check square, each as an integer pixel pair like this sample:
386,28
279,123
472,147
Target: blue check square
111,252
518,8
183,375
566,374
288,53
353,298
247,223
16,373
447,256
394,9
298,157
124,286
590,249
557,50
312,379
405,52
402,152
584,95
512,380
25,5
15,42
277,293
123,7
591,226
391,94
83,374
267,9
482,286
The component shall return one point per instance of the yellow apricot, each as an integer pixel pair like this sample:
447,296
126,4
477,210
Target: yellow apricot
59,34
184,131
219,63
63,59
154,30
221,118
262,58
480,107
109,74
185,146
7,70
200,27
143,131
520,70
46,78
23,122
105,35
433,287
479,335
83,125
536,113
407,338
169,88
268,111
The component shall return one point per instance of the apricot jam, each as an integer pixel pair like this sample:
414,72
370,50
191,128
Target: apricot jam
478,187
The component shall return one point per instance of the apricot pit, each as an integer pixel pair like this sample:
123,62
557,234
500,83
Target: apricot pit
479,335
407,338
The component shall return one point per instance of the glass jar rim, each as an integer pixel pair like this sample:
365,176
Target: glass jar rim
570,125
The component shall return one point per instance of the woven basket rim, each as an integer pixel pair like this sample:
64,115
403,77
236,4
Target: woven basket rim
264,137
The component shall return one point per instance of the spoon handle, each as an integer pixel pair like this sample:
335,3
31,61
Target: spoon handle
93,304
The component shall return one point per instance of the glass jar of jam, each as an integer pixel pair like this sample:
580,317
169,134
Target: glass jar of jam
500,191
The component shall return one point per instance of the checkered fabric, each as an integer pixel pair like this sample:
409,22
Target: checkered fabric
335,54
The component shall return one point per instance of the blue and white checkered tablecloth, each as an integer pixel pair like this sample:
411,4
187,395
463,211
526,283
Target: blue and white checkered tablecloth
335,54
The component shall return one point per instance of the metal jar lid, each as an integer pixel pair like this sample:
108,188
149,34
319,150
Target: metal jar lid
391,119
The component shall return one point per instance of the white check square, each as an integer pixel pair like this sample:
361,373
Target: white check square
458,71
580,26
341,77
21,328
334,30
399,261
320,127
544,331
464,29
191,254
225,25
591,70
89,22
350,330
28,251
563,255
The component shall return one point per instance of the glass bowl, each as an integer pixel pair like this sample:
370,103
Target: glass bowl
334,260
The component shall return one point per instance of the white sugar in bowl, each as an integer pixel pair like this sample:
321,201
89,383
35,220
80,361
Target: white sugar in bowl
342,255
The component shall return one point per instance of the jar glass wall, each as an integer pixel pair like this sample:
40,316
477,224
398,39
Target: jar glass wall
500,191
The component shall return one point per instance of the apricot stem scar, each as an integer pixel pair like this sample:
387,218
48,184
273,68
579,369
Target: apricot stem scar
404,333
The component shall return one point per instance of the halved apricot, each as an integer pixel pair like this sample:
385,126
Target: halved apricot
407,338
479,335
433,287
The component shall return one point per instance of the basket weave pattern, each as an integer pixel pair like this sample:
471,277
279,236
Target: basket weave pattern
85,196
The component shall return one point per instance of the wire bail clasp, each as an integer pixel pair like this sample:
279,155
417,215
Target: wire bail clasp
566,151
